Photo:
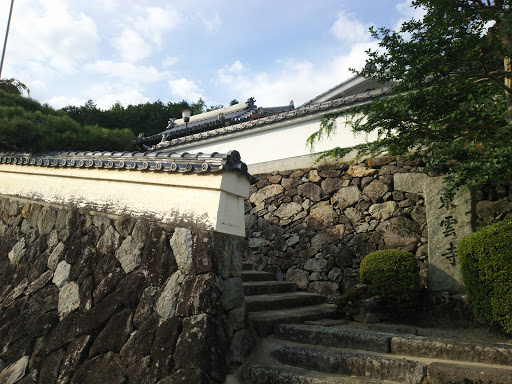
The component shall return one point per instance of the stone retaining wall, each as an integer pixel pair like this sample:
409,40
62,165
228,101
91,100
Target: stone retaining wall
493,205
313,227
89,298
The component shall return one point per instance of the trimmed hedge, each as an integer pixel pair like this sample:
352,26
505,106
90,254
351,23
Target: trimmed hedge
394,276
485,258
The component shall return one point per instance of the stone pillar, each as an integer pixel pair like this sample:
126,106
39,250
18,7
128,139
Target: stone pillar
448,222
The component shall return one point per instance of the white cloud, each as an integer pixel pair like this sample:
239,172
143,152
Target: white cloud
408,12
211,22
153,22
125,97
185,89
140,35
63,101
292,79
127,72
169,61
49,33
131,46
106,4
349,30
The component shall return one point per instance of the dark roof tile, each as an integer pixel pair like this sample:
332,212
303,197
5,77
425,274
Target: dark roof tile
142,161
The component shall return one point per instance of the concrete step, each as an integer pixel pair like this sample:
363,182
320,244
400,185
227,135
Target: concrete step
440,372
267,287
257,276
265,321
452,350
335,337
285,300
247,266
352,363
266,374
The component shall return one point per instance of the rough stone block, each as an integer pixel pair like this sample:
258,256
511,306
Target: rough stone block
266,193
101,369
181,244
128,254
17,252
98,316
346,197
286,211
124,225
376,191
140,342
145,307
202,346
164,345
109,241
241,346
75,354
199,294
167,300
299,277
129,289
399,232
114,335
324,214
69,299
233,293
14,372
157,259
409,182
61,274
310,191
108,284
56,256
50,367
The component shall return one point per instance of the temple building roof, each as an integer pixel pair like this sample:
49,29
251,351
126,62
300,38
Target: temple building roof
163,140
219,118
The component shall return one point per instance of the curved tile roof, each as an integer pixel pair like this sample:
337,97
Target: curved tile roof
172,162
304,110
208,121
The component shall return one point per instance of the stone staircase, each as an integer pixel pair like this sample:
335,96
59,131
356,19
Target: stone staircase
269,302
315,354
301,343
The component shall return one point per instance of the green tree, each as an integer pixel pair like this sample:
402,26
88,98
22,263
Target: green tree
14,86
452,102
26,125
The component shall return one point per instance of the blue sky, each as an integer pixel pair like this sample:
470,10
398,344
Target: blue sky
137,51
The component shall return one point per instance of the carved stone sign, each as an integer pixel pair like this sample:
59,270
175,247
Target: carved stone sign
448,222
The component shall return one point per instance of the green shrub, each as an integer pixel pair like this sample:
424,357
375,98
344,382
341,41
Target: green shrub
485,258
394,276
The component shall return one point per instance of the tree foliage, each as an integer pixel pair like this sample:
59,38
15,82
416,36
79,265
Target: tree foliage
452,102
148,118
26,125
14,86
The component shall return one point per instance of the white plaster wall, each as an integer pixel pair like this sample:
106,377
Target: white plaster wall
213,201
276,141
